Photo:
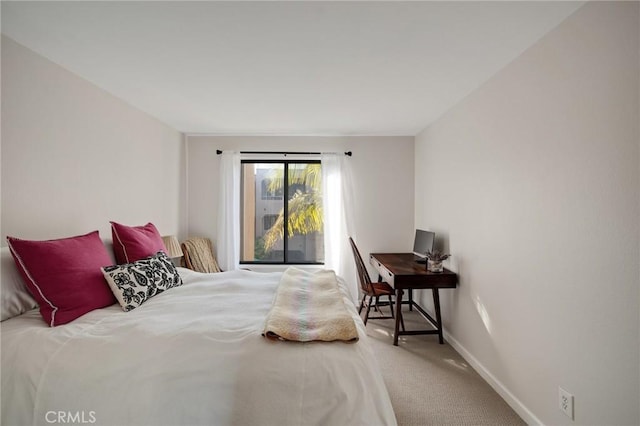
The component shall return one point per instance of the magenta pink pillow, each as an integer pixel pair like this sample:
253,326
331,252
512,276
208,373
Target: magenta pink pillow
64,275
132,243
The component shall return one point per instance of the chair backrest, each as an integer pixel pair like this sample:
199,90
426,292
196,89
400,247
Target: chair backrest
363,274
198,255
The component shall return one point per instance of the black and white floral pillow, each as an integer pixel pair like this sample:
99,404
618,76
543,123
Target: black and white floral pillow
134,283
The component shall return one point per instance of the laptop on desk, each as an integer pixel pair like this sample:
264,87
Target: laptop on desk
422,243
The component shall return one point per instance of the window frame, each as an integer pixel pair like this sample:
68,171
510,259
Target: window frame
285,199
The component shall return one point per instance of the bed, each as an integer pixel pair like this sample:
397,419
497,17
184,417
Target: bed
193,355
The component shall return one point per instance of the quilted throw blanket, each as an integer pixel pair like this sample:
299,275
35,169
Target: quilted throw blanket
309,306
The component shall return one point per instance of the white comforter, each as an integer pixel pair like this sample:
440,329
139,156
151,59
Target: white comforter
190,356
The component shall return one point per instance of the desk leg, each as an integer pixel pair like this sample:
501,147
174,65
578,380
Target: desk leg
436,304
398,316
411,299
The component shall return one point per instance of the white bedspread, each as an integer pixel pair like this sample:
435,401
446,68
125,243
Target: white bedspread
190,356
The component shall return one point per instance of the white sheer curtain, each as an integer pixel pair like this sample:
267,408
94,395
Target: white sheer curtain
337,199
228,243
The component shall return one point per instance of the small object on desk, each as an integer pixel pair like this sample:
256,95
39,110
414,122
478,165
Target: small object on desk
434,266
435,259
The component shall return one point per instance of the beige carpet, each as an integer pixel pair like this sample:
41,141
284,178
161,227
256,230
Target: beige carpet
431,384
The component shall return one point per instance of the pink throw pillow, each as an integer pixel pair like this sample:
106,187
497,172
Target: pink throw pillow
131,243
64,275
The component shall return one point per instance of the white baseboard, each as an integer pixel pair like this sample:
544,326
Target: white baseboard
510,399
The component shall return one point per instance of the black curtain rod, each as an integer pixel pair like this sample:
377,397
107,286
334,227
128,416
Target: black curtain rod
347,153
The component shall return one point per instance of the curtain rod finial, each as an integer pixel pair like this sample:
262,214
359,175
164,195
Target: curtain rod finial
348,153
218,151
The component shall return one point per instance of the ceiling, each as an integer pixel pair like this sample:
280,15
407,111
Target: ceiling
285,68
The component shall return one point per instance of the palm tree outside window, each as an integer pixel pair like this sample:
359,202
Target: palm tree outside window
281,223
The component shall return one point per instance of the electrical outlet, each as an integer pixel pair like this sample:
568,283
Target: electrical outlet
566,402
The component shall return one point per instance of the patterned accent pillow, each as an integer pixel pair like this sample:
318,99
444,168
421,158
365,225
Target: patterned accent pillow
134,283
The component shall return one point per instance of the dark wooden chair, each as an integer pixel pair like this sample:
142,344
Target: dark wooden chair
372,290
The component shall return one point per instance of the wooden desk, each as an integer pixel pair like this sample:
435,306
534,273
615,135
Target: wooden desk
403,273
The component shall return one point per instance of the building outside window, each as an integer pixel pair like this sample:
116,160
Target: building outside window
268,204
269,191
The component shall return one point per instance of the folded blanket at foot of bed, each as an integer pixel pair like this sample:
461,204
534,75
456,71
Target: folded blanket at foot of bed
309,306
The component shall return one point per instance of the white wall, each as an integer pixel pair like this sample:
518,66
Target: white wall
382,170
75,157
533,185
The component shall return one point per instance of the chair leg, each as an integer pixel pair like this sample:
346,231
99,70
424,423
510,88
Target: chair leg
362,304
366,317
391,306
375,308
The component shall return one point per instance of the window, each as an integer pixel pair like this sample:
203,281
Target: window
268,204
